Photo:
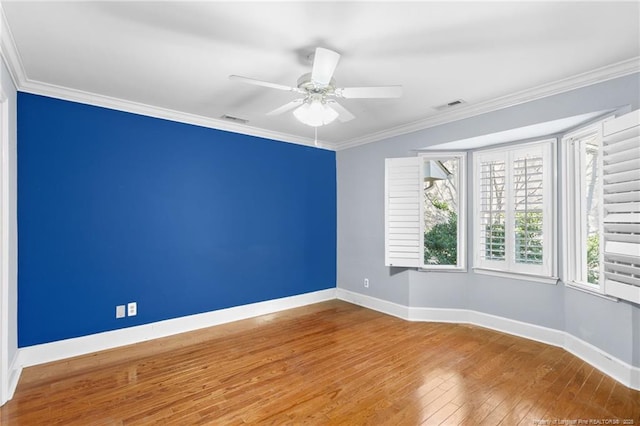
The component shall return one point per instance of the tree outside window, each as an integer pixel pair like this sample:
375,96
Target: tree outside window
441,214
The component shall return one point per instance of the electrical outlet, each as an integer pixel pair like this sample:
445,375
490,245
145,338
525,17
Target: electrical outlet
132,309
120,312
366,282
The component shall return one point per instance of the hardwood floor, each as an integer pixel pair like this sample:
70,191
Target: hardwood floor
329,363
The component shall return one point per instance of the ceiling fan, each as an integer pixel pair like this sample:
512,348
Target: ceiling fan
318,105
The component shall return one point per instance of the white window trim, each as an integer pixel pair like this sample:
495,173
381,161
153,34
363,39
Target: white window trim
568,209
496,268
590,291
462,211
443,268
517,275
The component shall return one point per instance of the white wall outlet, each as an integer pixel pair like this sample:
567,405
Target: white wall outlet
366,282
132,309
120,312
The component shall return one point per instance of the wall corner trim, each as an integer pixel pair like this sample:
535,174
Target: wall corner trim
619,370
54,351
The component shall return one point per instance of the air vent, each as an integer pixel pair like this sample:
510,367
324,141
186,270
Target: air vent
234,119
449,105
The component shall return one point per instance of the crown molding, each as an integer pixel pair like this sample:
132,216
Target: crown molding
9,52
39,88
609,72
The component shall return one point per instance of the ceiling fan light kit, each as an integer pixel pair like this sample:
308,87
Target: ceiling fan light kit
315,113
317,107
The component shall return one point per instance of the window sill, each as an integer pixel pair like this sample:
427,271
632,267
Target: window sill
517,276
441,269
585,289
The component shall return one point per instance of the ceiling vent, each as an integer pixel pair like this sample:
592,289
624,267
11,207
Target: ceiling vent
234,119
451,104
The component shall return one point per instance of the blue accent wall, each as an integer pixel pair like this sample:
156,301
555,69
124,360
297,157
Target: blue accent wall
116,207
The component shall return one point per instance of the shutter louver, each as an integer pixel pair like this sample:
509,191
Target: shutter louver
528,205
403,212
492,210
621,193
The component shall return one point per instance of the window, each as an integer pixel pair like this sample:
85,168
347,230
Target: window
602,207
425,211
514,209
583,207
443,198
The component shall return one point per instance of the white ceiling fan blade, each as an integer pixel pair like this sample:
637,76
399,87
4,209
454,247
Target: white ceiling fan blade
263,83
324,64
370,92
344,114
286,107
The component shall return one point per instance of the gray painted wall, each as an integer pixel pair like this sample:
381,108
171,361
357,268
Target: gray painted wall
612,326
603,323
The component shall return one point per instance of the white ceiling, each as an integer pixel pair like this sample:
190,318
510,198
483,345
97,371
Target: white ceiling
173,59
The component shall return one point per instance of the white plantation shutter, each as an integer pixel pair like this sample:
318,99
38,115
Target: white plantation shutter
492,220
621,190
531,202
404,225
528,205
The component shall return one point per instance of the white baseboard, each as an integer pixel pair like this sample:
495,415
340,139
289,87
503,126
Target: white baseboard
635,378
626,374
14,375
374,303
457,316
48,352
609,365
54,351
538,333
505,325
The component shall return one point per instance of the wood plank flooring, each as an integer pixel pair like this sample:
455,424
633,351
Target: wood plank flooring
329,363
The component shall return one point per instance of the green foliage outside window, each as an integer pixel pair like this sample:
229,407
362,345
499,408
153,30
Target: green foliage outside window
441,241
528,239
529,227
494,247
593,259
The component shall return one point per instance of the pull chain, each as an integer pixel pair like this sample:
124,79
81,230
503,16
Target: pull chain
315,133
